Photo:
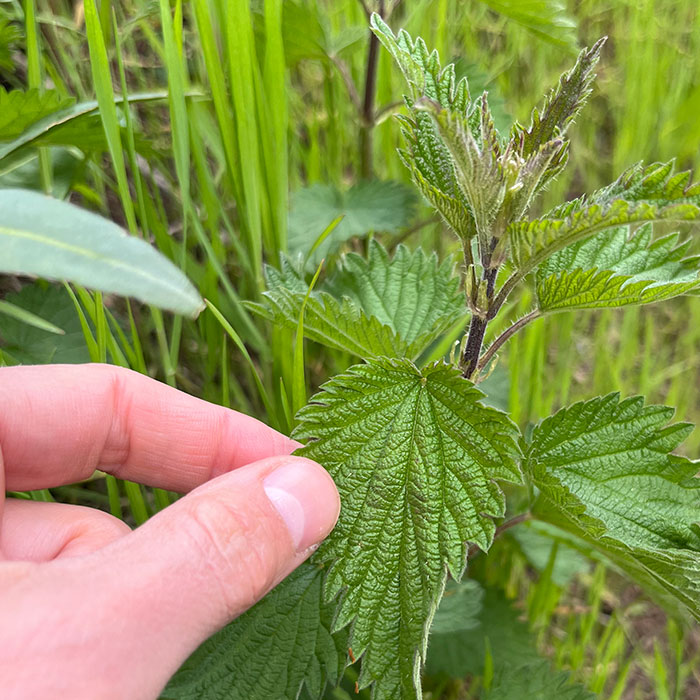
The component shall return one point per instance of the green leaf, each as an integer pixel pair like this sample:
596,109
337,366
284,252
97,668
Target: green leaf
285,641
546,19
613,269
379,206
65,127
24,172
30,345
415,455
52,239
459,608
381,306
535,682
20,109
24,316
335,324
499,633
605,473
427,158
561,105
411,292
532,242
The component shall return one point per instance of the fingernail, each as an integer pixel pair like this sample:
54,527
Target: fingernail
305,496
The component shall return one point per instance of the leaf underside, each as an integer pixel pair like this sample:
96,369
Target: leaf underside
286,642
605,472
613,269
414,455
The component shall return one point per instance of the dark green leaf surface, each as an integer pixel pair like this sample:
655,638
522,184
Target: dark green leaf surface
613,269
366,207
379,306
604,471
535,682
285,640
415,456
411,292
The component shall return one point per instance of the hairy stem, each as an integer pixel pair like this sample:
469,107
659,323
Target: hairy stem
477,329
503,293
493,348
515,520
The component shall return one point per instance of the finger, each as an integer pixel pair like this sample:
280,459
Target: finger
34,531
146,601
59,423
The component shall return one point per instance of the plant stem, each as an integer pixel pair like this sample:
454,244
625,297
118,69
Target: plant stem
367,114
493,348
503,293
515,520
477,329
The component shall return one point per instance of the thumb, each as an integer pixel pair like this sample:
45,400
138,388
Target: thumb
151,597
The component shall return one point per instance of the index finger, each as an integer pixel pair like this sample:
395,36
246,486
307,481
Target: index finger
58,423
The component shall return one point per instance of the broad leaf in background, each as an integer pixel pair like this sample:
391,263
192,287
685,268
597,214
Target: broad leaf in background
614,269
536,539
415,455
32,346
23,172
499,634
286,642
366,207
535,681
77,125
45,237
379,306
22,108
605,472
546,19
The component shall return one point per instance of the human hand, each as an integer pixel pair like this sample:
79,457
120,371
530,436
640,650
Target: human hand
90,609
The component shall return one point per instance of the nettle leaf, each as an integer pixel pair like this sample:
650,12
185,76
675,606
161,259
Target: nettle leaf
382,306
532,242
337,324
376,206
22,108
286,642
605,472
561,105
411,292
415,455
613,269
535,681
426,157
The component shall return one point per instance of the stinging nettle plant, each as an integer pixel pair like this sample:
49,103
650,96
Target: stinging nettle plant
416,454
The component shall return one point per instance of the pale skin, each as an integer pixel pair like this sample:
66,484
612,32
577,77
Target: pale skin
90,608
